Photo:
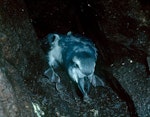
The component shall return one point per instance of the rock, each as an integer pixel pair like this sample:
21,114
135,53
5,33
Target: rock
133,78
18,54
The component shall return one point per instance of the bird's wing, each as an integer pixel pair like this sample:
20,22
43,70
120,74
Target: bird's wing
97,81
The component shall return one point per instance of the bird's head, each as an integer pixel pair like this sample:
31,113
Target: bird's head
81,66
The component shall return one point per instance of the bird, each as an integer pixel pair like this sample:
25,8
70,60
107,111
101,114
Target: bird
78,55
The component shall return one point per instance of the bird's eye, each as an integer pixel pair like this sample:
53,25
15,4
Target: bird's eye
53,38
76,65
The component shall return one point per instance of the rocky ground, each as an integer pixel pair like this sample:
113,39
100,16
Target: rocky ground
121,32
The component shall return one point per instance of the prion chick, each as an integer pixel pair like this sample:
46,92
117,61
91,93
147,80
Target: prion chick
78,56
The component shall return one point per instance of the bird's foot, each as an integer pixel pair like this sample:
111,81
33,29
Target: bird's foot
87,99
53,77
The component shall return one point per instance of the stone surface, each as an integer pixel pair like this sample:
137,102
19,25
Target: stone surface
133,78
17,53
124,50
